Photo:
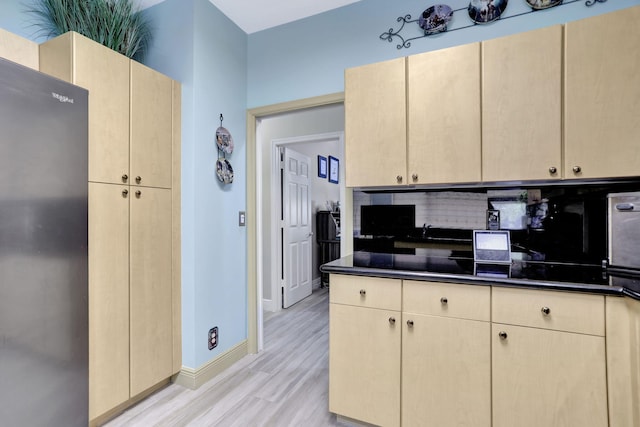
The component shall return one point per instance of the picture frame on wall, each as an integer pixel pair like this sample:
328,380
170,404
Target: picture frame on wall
322,167
334,168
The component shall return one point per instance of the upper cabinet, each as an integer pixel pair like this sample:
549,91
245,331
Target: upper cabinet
521,106
105,73
375,124
443,91
602,96
151,127
18,49
561,102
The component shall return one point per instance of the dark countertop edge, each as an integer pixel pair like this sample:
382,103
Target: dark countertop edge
618,291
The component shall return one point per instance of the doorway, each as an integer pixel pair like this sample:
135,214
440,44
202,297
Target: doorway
308,118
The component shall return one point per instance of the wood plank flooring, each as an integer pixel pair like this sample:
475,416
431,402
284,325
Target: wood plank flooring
285,385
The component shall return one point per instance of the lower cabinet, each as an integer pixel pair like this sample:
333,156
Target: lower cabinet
364,349
548,378
446,375
130,293
470,355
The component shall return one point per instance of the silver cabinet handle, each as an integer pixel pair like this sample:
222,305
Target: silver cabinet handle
553,170
138,179
392,320
545,311
502,335
444,301
363,292
138,193
125,177
410,323
414,176
577,169
399,178
125,193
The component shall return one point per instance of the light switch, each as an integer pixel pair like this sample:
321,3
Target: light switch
241,219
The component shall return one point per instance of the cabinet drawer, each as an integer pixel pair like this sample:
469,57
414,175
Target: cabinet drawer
561,311
373,292
447,299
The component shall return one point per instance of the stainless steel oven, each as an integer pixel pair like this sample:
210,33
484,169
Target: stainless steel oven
624,231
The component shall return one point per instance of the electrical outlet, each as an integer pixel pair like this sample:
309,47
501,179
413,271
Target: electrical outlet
213,338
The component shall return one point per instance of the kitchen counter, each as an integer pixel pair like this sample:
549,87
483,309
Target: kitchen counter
449,266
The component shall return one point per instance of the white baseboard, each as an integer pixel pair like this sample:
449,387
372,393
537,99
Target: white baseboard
268,305
194,378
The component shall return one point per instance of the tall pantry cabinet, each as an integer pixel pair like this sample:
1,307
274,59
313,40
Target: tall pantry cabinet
134,219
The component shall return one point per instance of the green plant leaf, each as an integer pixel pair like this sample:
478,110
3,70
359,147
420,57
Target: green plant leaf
115,24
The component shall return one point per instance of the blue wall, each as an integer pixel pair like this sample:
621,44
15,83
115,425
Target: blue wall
203,49
307,58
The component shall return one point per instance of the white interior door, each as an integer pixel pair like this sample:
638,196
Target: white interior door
296,228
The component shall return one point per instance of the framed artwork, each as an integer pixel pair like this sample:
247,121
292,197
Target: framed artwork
322,167
334,167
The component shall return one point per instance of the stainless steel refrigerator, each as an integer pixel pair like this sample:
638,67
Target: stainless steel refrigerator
43,250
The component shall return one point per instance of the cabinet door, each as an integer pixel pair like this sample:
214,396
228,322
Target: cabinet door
446,372
364,364
150,288
443,91
375,124
602,95
108,297
548,378
18,49
105,74
521,106
151,127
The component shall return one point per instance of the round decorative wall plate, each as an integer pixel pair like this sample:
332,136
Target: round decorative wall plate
224,171
224,140
485,11
435,18
543,4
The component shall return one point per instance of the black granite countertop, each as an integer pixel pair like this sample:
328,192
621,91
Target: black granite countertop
448,266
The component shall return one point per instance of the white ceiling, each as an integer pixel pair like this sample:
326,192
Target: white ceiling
256,15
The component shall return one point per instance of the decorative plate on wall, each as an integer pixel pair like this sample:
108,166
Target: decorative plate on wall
543,4
484,11
435,18
224,171
224,140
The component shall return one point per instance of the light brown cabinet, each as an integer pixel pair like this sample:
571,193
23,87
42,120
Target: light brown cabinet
375,124
134,217
602,96
548,359
443,116
446,355
521,106
18,49
364,349
623,361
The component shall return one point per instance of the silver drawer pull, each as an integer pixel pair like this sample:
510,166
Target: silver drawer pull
545,311
392,320
502,335
444,301
363,292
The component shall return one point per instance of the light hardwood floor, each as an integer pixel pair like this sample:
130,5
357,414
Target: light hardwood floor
284,385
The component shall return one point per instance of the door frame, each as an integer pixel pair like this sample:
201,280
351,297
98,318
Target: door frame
254,204
275,201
